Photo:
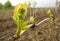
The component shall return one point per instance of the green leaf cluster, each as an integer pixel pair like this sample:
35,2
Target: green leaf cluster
1,6
7,5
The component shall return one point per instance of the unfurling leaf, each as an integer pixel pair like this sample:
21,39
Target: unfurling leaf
31,20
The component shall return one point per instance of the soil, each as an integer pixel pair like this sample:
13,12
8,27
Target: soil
43,32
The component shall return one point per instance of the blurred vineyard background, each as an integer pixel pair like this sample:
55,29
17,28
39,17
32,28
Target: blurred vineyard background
44,32
40,33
